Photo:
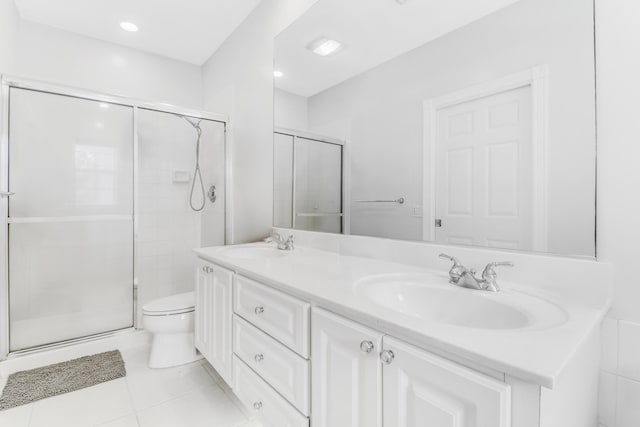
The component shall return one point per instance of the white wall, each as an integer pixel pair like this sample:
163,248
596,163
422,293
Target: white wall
384,106
45,53
290,110
238,79
618,233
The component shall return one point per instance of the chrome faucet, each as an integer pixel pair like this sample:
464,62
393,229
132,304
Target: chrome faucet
460,275
284,245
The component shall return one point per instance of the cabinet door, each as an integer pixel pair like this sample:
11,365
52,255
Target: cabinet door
421,389
346,374
219,306
202,312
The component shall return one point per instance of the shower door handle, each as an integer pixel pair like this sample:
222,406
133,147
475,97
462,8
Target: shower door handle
6,193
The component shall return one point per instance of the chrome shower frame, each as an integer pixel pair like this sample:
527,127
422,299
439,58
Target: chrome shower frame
7,82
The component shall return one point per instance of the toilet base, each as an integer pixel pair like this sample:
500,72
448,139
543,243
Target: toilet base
172,349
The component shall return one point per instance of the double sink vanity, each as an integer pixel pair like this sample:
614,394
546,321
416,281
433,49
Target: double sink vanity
337,332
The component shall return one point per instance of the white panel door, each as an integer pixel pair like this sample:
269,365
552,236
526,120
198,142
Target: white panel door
484,170
421,389
221,321
346,379
202,310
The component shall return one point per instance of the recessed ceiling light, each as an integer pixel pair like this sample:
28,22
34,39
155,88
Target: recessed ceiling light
129,26
325,46
103,105
277,73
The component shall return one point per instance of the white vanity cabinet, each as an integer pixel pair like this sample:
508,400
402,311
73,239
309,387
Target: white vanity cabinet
213,317
420,386
346,374
271,350
360,378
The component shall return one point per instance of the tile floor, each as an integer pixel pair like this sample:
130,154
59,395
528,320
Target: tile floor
191,396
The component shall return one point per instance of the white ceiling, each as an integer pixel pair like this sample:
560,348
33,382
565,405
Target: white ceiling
373,31
186,30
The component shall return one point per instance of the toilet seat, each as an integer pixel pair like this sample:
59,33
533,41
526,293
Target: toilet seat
171,305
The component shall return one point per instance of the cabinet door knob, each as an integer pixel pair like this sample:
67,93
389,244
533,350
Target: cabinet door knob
259,310
387,356
204,268
258,357
257,405
366,346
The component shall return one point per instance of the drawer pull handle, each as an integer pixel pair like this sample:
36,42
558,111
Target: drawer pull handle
387,356
366,346
259,310
258,357
257,406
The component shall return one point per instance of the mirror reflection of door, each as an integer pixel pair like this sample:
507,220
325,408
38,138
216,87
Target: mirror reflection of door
483,170
307,183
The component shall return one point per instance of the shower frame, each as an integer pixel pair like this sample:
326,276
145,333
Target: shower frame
6,83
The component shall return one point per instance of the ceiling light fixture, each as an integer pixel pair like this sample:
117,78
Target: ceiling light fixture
103,105
277,73
325,46
129,26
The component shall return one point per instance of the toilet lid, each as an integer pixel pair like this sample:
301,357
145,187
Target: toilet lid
172,304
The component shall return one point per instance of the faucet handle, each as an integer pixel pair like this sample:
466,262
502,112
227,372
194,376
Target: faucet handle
456,261
489,274
289,243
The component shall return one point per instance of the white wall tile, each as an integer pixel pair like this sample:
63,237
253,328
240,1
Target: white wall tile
629,350
607,399
628,407
609,345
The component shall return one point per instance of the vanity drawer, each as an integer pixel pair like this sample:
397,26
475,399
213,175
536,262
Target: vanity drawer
270,408
283,317
284,370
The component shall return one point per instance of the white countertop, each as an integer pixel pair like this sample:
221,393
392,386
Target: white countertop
327,279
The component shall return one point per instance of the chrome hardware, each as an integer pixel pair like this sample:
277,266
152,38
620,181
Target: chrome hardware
462,276
457,269
211,194
258,357
285,245
366,346
387,356
438,223
7,193
257,405
258,310
207,269
489,275
399,201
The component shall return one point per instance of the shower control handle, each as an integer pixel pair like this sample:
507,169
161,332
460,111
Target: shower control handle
211,194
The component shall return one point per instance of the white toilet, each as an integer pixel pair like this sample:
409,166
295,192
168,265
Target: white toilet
171,321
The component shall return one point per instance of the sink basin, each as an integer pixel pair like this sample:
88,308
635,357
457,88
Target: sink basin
253,252
431,298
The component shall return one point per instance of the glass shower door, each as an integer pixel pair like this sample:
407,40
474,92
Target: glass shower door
71,218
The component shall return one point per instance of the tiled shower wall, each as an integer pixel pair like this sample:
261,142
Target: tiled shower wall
167,228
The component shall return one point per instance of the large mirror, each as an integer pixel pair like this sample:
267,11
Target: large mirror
466,122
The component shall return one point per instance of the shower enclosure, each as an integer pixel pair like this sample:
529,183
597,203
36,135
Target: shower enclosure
308,188
97,209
